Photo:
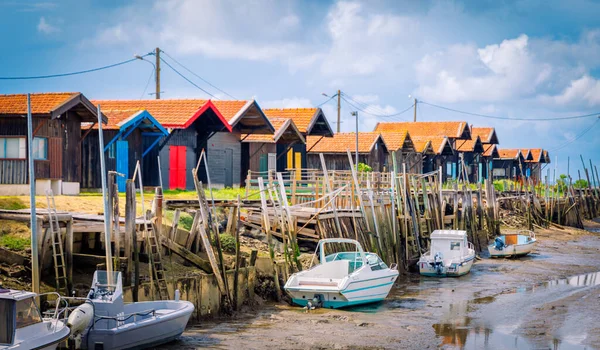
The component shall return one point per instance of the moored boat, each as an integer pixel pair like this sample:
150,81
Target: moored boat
22,326
106,322
343,278
512,244
450,255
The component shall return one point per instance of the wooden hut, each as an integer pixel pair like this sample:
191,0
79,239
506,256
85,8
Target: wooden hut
453,131
310,122
129,136
372,150
402,144
228,158
489,140
470,153
57,119
535,165
191,123
263,148
441,151
510,163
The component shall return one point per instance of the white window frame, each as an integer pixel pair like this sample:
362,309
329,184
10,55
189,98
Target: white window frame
22,154
36,150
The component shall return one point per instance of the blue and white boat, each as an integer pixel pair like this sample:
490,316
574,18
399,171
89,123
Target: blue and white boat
106,322
450,254
513,245
342,278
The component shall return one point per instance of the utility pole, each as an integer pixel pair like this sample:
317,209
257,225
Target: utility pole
339,96
355,114
157,54
415,114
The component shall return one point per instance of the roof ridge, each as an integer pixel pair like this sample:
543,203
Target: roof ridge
43,93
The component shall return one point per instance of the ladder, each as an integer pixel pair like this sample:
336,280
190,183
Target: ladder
158,271
60,270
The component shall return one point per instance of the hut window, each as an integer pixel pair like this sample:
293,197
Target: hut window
12,147
112,150
40,148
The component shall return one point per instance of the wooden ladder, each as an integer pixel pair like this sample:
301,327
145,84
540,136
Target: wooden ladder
60,270
158,271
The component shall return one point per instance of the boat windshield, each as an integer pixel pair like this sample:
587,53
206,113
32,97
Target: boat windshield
101,283
356,262
27,313
375,262
7,321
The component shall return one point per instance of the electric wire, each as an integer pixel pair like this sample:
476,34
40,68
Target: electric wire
327,100
71,73
506,118
196,75
374,110
378,115
147,83
188,80
565,144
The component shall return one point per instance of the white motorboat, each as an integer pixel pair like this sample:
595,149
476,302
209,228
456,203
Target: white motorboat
106,322
450,254
342,279
22,326
513,244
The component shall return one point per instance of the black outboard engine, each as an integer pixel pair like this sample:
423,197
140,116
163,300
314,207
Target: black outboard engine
438,261
499,243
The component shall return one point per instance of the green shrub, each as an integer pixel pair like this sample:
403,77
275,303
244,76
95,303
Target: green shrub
364,167
14,243
12,203
227,242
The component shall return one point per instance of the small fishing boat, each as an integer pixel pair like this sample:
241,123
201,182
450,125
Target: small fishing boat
512,244
22,326
341,279
106,322
450,254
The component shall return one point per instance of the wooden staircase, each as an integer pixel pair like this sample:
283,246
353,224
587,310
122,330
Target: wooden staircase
60,270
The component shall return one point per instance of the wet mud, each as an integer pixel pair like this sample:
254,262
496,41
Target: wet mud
548,300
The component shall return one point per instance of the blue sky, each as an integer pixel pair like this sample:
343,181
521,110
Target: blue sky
517,59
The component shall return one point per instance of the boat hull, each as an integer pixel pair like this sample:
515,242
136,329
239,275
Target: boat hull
454,270
356,292
150,332
41,339
513,250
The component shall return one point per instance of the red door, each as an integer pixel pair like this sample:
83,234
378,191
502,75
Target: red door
177,167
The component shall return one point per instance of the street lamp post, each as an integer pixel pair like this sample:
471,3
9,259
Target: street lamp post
355,114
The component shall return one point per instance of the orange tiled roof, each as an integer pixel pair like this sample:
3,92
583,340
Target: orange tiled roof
467,145
280,124
423,146
302,117
505,153
395,140
437,142
526,154
536,153
41,103
230,108
341,142
115,118
489,150
178,113
485,134
448,129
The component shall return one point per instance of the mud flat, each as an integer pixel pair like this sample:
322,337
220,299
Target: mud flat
549,300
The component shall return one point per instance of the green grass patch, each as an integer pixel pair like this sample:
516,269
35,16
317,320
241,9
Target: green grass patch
14,243
185,219
227,242
11,203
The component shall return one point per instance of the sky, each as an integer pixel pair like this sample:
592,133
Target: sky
509,59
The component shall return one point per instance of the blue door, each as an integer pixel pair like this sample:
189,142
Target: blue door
122,164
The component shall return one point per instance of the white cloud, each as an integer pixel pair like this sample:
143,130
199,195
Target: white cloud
46,28
583,90
293,102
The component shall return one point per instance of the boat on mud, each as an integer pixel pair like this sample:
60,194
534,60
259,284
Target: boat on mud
450,255
341,279
22,326
512,244
106,322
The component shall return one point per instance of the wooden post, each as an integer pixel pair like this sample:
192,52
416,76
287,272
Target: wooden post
131,229
69,253
267,228
158,198
237,255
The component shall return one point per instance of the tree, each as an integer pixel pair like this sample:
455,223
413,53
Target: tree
581,183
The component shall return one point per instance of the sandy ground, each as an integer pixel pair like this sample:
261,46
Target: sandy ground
542,301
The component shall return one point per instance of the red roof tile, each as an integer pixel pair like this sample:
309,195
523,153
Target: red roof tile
341,142
505,153
302,117
395,141
41,103
281,126
486,135
451,130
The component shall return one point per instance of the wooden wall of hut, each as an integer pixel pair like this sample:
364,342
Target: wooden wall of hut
256,151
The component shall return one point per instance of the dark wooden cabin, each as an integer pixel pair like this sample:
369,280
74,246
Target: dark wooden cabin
57,119
490,152
536,164
489,140
470,153
401,143
191,123
441,151
263,148
509,163
372,151
310,122
129,137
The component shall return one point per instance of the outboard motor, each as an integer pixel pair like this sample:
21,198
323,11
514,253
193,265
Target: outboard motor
79,321
438,261
315,302
499,244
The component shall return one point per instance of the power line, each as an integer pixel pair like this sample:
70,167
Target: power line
365,109
71,73
372,108
184,77
147,83
576,137
506,118
199,77
378,115
327,100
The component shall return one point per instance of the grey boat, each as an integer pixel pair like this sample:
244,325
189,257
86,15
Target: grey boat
106,322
